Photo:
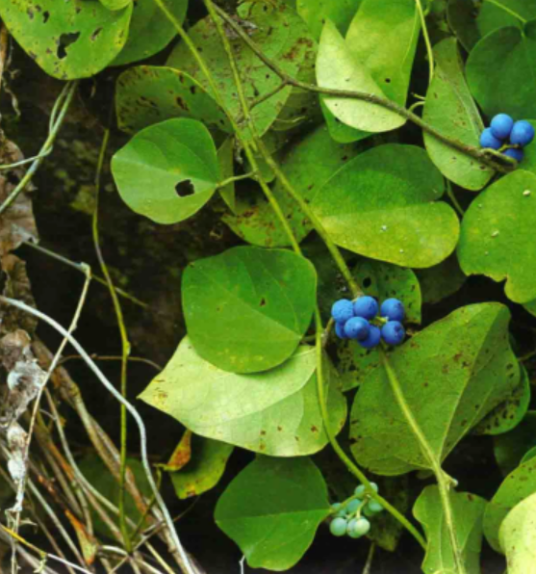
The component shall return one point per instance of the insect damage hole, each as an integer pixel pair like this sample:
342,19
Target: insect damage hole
64,42
185,188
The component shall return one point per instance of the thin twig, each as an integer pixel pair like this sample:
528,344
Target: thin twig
4,40
370,557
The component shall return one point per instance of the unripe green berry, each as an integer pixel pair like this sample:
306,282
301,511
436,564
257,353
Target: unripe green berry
338,526
358,527
373,507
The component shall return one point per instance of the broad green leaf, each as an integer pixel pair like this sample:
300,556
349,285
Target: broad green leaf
497,236
247,309
338,69
272,510
516,487
529,455
147,95
451,110
340,132
451,375
316,12
279,32
503,59
518,537
308,165
226,160
440,281
205,468
275,413
383,36
115,4
68,39
510,448
150,30
383,204
467,510
509,414
502,13
462,20
167,171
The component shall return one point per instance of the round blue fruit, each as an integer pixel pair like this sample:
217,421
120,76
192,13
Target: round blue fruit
338,526
357,328
393,309
366,307
339,329
514,153
373,339
342,310
393,332
487,139
522,133
501,126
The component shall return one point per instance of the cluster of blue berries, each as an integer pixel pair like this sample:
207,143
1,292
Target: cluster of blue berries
348,519
353,321
504,133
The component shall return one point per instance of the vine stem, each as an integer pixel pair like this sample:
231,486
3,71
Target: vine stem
426,36
487,157
435,465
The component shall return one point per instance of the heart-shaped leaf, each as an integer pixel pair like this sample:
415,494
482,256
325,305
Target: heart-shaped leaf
274,413
518,537
317,12
272,510
167,171
146,95
383,204
451,110
68,39
467,510
502,13
451,375
497,236
247,309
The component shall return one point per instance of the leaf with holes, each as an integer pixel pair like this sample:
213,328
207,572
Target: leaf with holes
168,171
150,30
451,110
317,12
450,376
383,204
518,537
272,510
247,309
67,39
497,236
147,95
278,31
467,513
274,413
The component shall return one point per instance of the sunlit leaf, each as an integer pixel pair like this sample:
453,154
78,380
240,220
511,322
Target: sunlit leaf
518,537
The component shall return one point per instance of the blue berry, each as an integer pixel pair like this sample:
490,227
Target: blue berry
342,310
352,506
373,339
358,527
393,332
514,153
339,330
393,309
357,328
366,307
487,139
373,507
501,126
522,133
338,526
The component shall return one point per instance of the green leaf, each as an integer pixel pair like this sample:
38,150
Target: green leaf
497,236
503,59
150,30
272,510
462,20
516,487
279,32
510,448
518,537
382,204
317,12
383,37
509,414
307,165
149,169
338,131
451,110
467,510
147,95
502,13
451,375
338,69
247,309
115,4
275,413
226,161
440,281
204,470
69,39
